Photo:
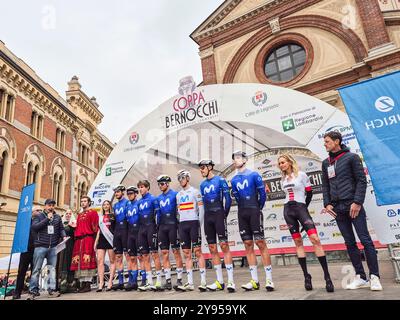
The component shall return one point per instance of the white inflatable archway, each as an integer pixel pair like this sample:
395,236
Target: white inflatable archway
211,122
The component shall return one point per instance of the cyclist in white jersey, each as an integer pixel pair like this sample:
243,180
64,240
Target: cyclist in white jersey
191,216
298,189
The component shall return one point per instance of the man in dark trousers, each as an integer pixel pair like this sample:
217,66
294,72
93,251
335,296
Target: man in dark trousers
344,186
49,231
26,260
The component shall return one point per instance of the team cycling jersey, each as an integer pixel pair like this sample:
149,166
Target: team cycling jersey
132,213
148,209
190,205
249,190
120,211
214,190
296,188
167,208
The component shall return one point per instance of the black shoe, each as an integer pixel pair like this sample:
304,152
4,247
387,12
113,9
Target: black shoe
128,287
118,286
85,287
16,296
178,283
31,296
100,289
134,286
54,293
36,293
168,285
308,283
329,285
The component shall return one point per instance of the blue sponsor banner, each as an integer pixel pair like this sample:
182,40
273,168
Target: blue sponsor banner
373,107
23,226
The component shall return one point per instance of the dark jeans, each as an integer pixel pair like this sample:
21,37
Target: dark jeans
345,224
25,262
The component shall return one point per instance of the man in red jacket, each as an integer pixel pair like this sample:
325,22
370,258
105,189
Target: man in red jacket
83,255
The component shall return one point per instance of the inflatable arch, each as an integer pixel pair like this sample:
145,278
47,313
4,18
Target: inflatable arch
211,122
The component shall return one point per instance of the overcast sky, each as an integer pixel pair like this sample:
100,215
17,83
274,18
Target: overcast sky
129,54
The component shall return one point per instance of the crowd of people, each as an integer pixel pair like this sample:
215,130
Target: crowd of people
145,229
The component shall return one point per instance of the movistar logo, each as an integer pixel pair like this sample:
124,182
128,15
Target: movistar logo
242,186
209,189
132,212
165,203
184,198
119,211
144,205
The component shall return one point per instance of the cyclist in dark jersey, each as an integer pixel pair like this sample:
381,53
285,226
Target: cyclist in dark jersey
120,234
167,222
148,245
298,189
132,216
214,190
250,195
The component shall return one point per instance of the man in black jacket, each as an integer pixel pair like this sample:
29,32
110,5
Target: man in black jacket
344,186
49,230
26,259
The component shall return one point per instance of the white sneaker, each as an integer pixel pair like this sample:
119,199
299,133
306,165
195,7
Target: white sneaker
252,285
375,283
146,287
157,287
216,286
231,287
185,287
358,283
203,287
269,285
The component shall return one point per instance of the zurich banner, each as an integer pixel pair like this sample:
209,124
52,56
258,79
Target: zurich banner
373,107
22,229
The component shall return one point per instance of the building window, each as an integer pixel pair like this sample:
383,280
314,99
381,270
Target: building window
100,162
3,161
83,190
60,140
37,122
32,173
285,62
7,103
83,155
57,188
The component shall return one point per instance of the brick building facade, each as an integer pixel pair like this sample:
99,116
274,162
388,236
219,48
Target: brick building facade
314,46
44,139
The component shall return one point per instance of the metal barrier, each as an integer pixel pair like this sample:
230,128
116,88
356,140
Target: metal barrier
394,251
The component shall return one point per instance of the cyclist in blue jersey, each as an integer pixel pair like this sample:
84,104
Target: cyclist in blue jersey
250,195
214,190
147,237
132,216
120,233
167,222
